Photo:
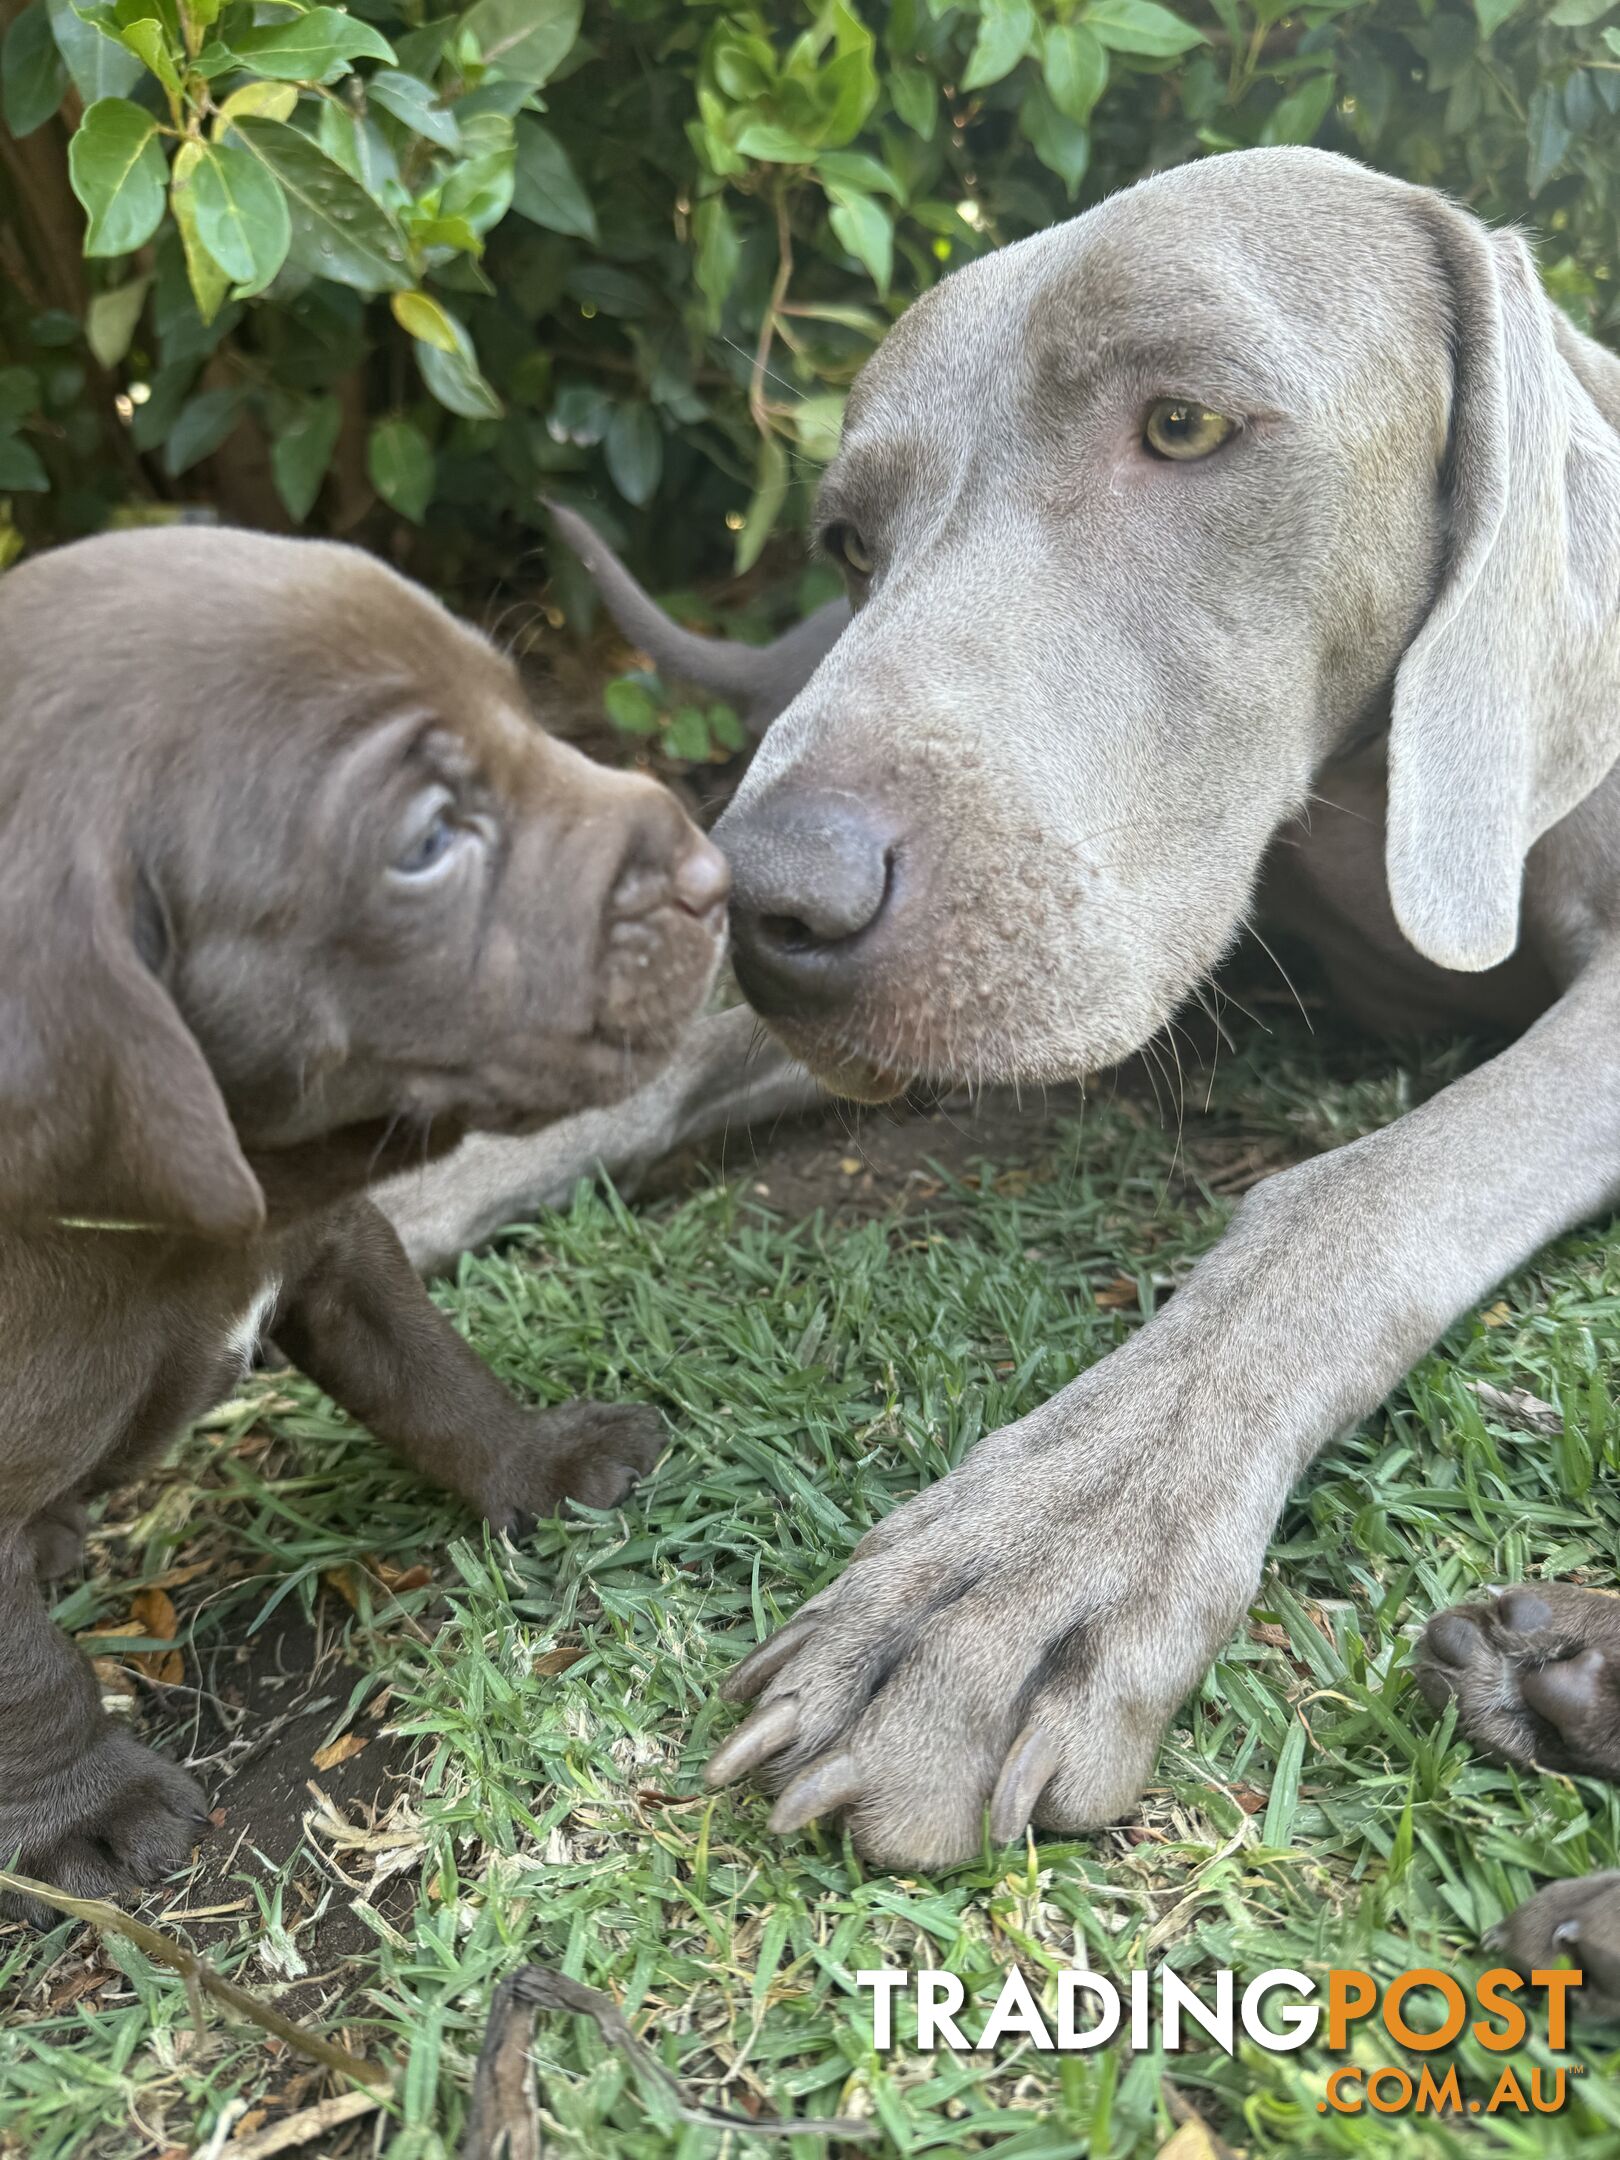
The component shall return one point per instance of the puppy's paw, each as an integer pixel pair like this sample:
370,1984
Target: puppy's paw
590,1452
56,1538
1577,1920
1536,1675
116,1817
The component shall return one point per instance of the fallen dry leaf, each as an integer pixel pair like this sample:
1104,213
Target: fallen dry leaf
341,1579
1112,1296
398,1579
1191,2142
153,1613
1517,1406
850,1165
1269,1633
555,1661
1497,1315
343,1749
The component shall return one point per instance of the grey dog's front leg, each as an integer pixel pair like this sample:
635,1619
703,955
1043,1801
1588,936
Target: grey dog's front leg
1022,1632
727,1075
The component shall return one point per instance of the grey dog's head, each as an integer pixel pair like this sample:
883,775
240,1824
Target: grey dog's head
1144,519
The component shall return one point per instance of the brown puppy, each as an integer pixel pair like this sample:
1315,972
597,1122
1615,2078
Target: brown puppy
292,894
1535,1673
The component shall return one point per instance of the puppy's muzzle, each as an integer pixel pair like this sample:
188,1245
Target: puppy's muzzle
664,926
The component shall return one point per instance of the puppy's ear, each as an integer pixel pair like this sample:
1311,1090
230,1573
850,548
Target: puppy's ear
108,1111
1507,705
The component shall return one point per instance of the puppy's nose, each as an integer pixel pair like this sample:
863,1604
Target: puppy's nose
667,859
811,872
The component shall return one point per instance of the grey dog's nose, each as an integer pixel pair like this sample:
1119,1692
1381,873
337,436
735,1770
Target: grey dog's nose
810,872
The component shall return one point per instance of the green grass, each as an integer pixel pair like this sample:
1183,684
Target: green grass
1306,1811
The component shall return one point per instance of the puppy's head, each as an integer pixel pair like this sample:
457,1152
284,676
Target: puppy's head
289,878
1144,519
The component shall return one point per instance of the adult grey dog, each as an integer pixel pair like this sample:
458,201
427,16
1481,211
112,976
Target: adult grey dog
1248,547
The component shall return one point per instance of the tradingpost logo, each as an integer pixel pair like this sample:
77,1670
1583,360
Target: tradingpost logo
1279,2011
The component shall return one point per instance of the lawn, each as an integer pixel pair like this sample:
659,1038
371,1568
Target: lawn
815,1370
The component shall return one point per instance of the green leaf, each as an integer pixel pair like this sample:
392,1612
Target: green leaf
1549,133
631,706
33,74
338,231
314,47
1076,69
203,424
455,379
100,66
1296,118
110,319
545,187
718,253
1062,145
766,506
853,168
419,315
275,101
400,461
726,728
21,473
148,41
416,103
1141,26
479,187
916,99
774,145
862,225
634,449
115,162
207,280
241,214
1579,14
302,450
818,423
1006,32
526,39
19,396
687,736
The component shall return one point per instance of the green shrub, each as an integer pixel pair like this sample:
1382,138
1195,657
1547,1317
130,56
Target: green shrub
382,271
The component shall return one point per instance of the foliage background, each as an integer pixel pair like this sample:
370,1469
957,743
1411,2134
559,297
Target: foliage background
634,253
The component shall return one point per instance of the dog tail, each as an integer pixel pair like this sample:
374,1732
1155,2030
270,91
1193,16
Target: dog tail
759,679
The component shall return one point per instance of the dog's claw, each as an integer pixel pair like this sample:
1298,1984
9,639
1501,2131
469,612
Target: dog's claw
1030,1762
827,1785
750,1674
769,1729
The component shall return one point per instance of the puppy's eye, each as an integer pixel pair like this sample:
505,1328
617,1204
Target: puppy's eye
1181,428
430,838
846,546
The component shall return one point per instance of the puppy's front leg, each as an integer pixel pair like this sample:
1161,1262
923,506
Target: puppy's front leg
353,1315
1022,1633
83,1805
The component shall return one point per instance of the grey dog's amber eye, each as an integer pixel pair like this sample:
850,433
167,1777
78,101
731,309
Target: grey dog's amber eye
1181,428
846,546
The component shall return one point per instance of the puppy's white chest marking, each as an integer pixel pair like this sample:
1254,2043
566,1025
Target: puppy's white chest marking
243,1340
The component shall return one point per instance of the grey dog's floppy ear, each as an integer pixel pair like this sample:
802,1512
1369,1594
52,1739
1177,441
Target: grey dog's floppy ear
108,1111
1507,704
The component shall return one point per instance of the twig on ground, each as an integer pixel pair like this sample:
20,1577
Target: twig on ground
505,2119
200,1979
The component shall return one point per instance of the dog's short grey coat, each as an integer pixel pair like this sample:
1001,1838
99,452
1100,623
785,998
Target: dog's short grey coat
1358,673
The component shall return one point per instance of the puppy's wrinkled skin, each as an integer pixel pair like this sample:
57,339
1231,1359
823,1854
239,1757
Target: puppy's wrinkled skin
1356,670
292,892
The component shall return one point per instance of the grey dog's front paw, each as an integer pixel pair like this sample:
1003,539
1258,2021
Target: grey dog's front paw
1578,1920
1019,1635
590,1452
117,1816
1536,1674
